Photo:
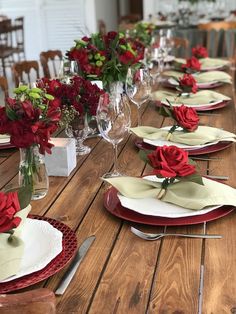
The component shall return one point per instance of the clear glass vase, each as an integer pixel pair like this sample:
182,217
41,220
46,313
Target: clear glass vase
32,171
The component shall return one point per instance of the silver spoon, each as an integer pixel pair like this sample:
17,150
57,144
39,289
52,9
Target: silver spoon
157,236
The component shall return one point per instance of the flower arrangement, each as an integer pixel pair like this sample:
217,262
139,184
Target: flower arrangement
106,57
80,95
183,116
192,65
143,32
30,118
199,52
188,84
172,164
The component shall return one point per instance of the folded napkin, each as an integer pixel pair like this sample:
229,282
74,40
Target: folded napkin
204,77
207,63
203,97
185,194
4,138
203,135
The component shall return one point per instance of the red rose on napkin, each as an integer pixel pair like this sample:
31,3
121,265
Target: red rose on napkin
9,206
188,83
186,117
199,52
170,162
191,65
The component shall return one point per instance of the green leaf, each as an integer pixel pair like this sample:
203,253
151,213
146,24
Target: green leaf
196,178
143,155
164,111
24,195
49,97
34,95
11,113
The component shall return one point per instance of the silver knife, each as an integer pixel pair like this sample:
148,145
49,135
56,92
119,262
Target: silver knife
69,274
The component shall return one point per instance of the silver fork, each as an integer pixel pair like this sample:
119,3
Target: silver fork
157,236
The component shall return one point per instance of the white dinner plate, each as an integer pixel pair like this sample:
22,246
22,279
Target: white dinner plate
43,243
155,207
4,139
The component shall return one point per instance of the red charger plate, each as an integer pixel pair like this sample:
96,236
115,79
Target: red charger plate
192,152
6,145
221,104
166,83
113,205
69,246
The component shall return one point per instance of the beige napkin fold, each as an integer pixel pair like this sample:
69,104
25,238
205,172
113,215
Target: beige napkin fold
4,138
207,63
203,135
185,194
204,77
11,256
203,97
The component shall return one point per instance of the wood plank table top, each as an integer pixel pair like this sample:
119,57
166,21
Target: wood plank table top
122,273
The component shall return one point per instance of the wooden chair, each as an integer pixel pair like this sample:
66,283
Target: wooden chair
50,60
216,36
102,27
38,301
6,47
19,39
25,72
4,85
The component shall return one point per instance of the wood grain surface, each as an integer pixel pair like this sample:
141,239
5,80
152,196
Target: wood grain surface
122,273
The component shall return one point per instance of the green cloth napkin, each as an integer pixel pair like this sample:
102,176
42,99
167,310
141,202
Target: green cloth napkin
207,63
10,255
205,77
203,97
185,194
203,135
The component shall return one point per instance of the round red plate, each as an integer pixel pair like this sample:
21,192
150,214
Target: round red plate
6,145
192,152
69,246
202,108
113,205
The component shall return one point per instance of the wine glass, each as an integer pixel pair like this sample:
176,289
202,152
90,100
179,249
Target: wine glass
113,119
138,87
68,69
78,129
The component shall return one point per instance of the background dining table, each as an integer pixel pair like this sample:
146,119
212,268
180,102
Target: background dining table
122,273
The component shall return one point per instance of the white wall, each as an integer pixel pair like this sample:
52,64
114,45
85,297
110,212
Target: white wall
106,10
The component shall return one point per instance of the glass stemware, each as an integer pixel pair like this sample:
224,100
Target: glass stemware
113,119
67,69
138,87
78,129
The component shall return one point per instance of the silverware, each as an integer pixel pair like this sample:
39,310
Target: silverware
205,158
69,274
157,236
216,177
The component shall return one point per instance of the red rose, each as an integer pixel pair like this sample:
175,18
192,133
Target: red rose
188,83
127,57
199,52
9,206
186,117
170,162
191,64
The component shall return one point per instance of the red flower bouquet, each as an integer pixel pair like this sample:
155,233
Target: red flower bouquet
199,52
106,57
188,84
192,65
30,118
79,96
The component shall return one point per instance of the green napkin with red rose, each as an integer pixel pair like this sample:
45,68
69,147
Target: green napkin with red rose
204,77
201,136
183,193
206,63
203,97
11,250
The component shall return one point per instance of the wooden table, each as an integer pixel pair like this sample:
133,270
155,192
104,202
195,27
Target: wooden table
122,273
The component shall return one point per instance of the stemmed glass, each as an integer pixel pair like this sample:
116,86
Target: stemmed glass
68,69
78,129
113,119
138,87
